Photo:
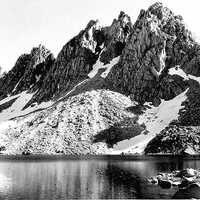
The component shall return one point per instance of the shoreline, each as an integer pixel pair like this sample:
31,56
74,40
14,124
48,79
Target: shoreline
52,157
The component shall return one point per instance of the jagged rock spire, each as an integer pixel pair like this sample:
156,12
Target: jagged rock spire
27,71
159,40
116,37
39,54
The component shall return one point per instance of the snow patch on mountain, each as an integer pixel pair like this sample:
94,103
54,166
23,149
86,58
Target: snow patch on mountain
100,65
37,77
155,120
17,108
72,90
9,98
162,59
178,71
17,85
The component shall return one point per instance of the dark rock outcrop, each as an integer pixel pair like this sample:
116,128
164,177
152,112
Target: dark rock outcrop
188,184
175,140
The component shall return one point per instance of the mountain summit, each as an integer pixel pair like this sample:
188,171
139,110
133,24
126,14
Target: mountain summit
125,88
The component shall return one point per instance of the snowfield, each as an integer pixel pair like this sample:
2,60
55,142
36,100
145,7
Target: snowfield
16,109
155,120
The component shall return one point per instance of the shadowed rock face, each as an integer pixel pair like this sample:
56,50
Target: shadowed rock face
9,81
78,56
116,37
72,65
159,40
40,64
28,72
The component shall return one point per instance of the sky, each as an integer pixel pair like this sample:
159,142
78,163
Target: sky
27,23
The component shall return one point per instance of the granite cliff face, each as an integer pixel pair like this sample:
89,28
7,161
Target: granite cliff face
159,41
110,90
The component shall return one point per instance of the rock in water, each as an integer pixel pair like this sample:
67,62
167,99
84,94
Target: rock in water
165,184
189,172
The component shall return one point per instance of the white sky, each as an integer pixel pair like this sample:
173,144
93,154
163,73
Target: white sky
27,23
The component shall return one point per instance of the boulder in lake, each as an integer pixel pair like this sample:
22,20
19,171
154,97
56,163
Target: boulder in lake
153,180
26,152
189,172
165,184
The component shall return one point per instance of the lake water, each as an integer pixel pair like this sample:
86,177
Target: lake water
96,178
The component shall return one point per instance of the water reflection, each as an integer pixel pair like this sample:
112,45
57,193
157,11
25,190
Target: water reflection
5,183
86,179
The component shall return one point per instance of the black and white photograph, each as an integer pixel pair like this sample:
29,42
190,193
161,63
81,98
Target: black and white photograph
99,99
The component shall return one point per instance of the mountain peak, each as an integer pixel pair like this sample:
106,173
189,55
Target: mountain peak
160,10
39,54
124,18
158,41
93,23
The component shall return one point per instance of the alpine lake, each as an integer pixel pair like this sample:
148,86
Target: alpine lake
92,177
